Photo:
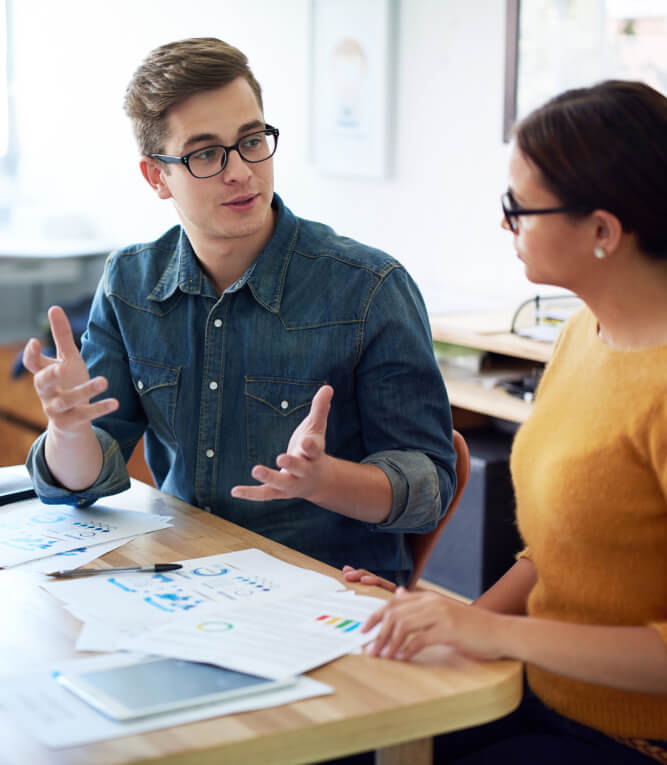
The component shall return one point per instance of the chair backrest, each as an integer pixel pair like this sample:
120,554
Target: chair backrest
422,544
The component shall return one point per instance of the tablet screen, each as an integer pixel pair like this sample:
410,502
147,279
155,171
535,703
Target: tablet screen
160,685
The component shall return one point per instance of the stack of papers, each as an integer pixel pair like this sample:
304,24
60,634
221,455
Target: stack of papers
51,537
58,718
244,610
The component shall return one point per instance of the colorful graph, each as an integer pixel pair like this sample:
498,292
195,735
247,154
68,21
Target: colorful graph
215,625
338,622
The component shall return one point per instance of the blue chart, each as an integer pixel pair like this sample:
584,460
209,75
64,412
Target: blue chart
210,571
50,516
30,542
164,593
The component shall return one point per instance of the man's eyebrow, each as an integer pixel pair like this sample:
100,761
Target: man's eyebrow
254,125
199,138
213,138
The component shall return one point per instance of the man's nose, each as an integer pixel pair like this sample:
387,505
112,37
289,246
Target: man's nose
236,168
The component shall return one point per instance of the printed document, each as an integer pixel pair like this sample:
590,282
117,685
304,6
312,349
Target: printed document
275,639
33,530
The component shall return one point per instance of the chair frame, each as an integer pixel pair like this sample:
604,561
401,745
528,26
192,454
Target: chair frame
422,545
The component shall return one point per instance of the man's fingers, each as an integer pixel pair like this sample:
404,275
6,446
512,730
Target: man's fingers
82,415
254,493
319,409
62,333
74,398
33,359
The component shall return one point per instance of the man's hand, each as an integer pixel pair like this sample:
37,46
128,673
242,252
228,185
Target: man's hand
63,384
304,467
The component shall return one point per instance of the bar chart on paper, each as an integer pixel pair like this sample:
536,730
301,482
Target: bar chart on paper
338,622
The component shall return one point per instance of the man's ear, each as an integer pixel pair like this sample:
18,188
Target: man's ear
608,231
155,173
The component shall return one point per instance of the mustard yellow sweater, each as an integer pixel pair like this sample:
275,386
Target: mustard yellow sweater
590,473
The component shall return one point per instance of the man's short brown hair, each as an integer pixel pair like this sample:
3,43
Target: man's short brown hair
174,72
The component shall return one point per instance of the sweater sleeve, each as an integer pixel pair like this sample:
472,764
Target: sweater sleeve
658,456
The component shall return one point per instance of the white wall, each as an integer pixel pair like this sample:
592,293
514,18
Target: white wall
439,213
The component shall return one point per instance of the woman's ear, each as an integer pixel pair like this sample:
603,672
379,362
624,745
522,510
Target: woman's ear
608,232
154,173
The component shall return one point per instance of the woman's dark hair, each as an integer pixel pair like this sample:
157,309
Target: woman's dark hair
605,147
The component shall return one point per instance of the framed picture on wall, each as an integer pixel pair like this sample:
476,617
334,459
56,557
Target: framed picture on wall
554,45
352,73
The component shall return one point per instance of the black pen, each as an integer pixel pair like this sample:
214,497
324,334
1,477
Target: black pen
152,569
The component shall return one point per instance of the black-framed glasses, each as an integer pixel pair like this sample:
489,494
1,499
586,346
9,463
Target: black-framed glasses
208,161
512,210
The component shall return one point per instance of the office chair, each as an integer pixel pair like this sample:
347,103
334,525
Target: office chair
422,545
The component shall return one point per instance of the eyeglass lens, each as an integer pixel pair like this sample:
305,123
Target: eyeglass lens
508,204
210,160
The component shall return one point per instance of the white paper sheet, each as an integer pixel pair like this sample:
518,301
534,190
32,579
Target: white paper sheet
138,601
71,558
58,718
33,530
275,639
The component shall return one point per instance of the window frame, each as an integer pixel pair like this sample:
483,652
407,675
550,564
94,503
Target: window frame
9,160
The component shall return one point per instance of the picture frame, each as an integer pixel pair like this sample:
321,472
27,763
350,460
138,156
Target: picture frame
352,77
552,45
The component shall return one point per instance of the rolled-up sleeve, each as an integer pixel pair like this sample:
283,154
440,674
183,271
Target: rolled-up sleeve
404,408
415,490
113,477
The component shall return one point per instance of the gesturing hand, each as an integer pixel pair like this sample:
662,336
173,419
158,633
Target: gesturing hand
303,468
63,384
413,620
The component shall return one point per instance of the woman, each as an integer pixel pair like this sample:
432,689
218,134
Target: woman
585,605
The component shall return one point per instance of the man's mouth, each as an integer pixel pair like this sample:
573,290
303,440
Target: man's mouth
240,201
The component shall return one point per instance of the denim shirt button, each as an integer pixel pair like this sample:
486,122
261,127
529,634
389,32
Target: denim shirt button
213,385
218,323
207,508
140,384
210,453
284,404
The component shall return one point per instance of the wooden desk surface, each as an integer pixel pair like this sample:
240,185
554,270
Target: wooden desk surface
488,333
377,703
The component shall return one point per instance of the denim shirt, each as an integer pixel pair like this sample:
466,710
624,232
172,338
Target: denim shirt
218,383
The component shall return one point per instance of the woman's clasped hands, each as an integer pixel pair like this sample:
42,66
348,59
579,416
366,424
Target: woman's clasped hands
412,621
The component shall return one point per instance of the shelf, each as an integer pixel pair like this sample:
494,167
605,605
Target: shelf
493,402
446,331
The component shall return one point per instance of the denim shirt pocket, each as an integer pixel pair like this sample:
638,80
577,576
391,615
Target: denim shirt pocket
274,409
157,387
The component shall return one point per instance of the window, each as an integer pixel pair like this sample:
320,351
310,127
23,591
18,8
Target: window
4,90
553,45
7,138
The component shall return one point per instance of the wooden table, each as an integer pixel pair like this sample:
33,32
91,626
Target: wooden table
378,704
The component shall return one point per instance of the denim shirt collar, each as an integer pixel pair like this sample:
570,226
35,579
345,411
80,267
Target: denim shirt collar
265,277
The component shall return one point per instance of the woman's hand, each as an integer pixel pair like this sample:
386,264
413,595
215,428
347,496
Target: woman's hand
366,577
413,620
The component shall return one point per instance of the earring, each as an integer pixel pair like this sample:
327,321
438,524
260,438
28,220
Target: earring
600,253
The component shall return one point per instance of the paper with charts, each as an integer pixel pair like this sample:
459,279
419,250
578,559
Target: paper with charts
119,605
276,639
33,530
58,718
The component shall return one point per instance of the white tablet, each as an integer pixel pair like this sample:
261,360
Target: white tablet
155,685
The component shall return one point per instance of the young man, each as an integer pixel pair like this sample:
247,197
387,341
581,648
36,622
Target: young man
219,338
